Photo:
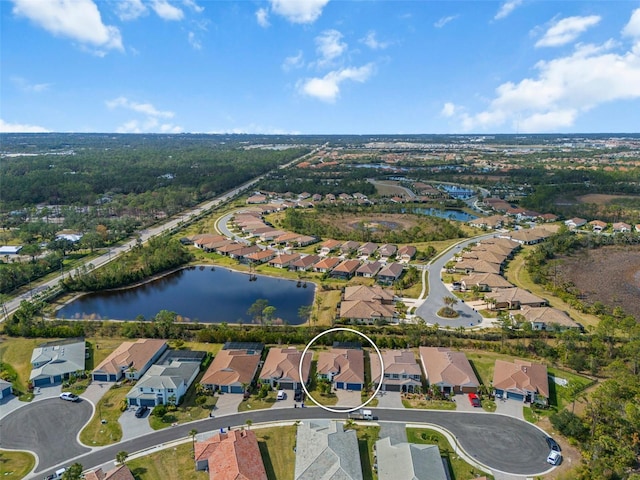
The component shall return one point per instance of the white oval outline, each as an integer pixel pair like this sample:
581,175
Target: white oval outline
338,329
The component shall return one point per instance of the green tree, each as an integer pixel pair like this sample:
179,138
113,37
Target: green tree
74,472
121,456
269,313
256,310
192,433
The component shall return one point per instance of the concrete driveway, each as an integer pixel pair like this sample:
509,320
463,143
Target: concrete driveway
348,398
227,404
11,403
48,428
389,399
133,427
512,408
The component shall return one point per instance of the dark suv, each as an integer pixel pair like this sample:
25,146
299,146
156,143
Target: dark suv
553,445
298,396
141,411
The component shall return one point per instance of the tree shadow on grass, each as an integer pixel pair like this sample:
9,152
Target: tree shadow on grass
138,472
266,459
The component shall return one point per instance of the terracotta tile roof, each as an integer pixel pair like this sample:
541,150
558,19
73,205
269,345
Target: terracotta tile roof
306,261
347,266
327,264
547,315
395,362
361,309
121,472
347,362
330,244
364,292
234,455
442,365
231,366
131,354
283,363
262,255
408,250
520,377
492,280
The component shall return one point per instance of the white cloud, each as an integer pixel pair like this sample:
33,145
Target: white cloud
566,30
632,29
373,43
299,11
151,125
327,88
506,8
262,16
130,9
166,11
28,87
329,46
193,6
448,110
444,20
563,89
79,20
292,62
195,43
20,128
254,129
144,108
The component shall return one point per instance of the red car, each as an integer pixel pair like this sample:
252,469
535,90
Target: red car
474,400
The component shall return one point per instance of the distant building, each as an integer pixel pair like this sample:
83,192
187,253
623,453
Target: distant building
121,472
130,359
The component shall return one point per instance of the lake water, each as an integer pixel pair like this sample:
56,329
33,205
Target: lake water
197,294
449,214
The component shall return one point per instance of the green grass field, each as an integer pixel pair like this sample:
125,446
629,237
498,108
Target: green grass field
15,465
276,448
97,433
176,462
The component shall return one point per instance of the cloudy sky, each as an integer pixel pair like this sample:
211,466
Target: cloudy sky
320,66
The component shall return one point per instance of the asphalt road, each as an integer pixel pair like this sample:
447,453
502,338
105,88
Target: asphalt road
500,442
437,291
48,428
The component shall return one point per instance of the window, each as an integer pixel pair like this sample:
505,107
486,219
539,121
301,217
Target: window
170,390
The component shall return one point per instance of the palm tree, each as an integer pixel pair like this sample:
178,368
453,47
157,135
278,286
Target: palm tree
192,433
249,423
121,456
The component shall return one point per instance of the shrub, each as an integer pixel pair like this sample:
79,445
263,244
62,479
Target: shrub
160,411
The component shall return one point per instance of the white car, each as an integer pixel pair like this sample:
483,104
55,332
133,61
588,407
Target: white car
71,397
554,457
281,395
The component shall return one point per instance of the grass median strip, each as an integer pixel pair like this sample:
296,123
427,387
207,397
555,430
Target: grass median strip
16,465
109,409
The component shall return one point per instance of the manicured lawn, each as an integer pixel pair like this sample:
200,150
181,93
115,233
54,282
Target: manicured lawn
329,299
419,401
558,395
255,403
460,470
367,437
176,462
276,448
488,405
17,353
484,362
97,433
15,465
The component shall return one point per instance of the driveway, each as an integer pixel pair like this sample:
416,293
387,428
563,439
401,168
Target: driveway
512,408
95,391
227,404
348,398
47,428
11,403
133,427
389,399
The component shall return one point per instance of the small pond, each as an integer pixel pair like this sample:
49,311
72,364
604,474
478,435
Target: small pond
203,294
449,214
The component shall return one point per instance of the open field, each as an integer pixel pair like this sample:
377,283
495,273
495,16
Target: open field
15,465
610,275
17,353
602,198
459,469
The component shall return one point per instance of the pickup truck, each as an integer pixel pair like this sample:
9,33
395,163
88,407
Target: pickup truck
361,415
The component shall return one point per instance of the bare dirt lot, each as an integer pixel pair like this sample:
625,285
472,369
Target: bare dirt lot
610,275
601,198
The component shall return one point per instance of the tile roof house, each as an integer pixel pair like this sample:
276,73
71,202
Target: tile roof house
514,298
366,293
343,367
401,371
130,359
390,273
167,381
387,250
448,370
407,252
621,227
349,246
484,255
547,318
231,370
409,461
345,269
326,265
530,236
367,249
233,455
485,281
284,260
469,266
121,472
243,253
328,246
521,380
303,264
575,222
368,269
261,256
327,453
598,225
281,368
53,362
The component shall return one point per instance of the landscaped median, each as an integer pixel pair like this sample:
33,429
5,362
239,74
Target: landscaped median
16,465
414,400
104,428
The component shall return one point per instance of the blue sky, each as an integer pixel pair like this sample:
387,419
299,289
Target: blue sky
320,66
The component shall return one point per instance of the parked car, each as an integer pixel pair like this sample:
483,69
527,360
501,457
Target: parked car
141,411
554,457
57,475
71,397
474,400
281,395
298,396
553,445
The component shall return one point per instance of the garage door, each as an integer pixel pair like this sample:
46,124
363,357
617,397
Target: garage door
286,385
515,396
340,385
354,386
147,402
391,388
103,377
41,382
236,389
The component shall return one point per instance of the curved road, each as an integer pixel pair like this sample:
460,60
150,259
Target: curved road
497,441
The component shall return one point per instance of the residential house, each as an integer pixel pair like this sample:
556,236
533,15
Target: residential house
367,249
548,217
329,246
326,265
120,472
348,247
130,360
231,371
521,380
363,311
530,236
401,371
484,281
243,254
284,260
546,318
230,248
167,381
469,266
485,255
304,263
281,368
232,455
326,452
491,222
409,460
54,362
369,294
6,389
621,227
387,250
343,367
268,236
575,222
257,198
598,225
514,298
368,269
261,256
448,370
390,273
345,269
201,241
288,237
406,253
